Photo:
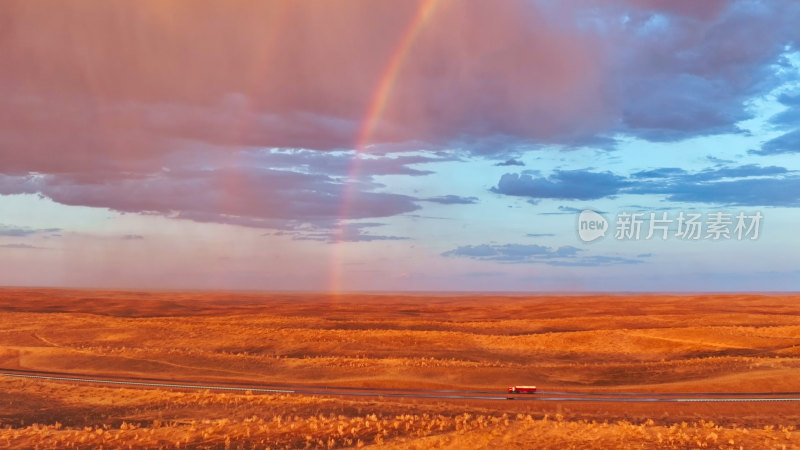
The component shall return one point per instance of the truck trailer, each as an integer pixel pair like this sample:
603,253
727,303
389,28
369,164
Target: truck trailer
522,389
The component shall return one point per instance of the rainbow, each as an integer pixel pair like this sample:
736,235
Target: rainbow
375,109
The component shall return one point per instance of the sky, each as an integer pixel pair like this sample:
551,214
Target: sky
428,145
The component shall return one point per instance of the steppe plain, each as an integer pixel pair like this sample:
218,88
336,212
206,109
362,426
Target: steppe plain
735,343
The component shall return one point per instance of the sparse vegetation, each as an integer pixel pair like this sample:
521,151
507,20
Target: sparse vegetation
658,344
401,431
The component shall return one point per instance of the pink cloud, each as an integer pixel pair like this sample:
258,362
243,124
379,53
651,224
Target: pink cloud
97,98
243,196
290,73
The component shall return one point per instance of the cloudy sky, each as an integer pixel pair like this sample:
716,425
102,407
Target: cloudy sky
417,145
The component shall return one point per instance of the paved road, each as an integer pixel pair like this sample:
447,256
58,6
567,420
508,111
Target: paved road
541,396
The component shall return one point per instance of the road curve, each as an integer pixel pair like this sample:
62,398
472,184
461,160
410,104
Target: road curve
541,396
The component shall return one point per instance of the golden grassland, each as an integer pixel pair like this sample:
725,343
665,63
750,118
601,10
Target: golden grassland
164,419
723,343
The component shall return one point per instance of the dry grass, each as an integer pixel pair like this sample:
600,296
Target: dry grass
655,343
284,421
558,433
404,431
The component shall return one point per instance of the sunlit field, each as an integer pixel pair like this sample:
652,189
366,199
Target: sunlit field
643,343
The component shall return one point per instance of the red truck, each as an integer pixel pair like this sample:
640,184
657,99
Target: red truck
522,389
